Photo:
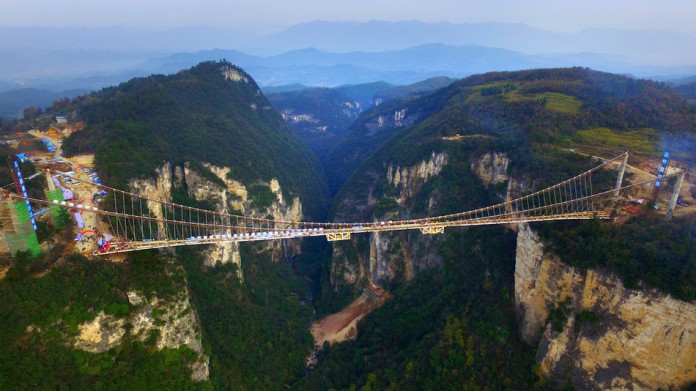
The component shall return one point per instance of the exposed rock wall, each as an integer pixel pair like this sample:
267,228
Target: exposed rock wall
173,322
398,119
408,180
626,340
388,256
346,269
159,188
231,73
232,198
492,168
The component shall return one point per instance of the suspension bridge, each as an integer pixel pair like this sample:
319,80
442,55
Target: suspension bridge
124,221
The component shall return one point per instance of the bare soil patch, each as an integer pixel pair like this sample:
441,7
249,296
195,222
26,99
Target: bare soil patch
342,325
83,160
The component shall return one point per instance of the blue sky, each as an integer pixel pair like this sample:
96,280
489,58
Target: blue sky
556,15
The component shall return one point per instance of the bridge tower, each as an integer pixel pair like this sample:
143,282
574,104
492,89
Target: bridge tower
675,195
619,177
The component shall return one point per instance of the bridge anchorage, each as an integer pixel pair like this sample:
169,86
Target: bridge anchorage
121,221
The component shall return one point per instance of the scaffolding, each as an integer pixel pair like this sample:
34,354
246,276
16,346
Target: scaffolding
17,229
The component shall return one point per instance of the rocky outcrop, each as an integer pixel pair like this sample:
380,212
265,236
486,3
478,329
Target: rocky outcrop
492,168
228,196
101,334
166,324
398,119
605,336
233,74
234,198
382,257
159,189
408,180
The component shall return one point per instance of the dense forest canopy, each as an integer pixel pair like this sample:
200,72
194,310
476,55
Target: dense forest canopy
536,118
212,113
453,326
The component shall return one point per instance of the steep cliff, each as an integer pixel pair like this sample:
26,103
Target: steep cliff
213,185
388,257
407,181
492,168
596,334
168,323
213,113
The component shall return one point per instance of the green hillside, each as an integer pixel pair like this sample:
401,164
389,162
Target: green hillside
525,111
433,334
198,115
318,116
255,333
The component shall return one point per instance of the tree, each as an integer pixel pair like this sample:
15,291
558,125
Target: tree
31,112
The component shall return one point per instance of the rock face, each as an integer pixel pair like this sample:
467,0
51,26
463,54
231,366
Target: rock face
408,180
398,119
390,256
171,323
231,73
609,337
492,168
228,196
156,189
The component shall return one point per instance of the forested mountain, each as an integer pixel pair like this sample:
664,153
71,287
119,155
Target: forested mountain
227,318
318,116
208,137
213,113
451,323
536,118
687,90
321,116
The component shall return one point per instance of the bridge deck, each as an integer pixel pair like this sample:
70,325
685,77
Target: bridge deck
120,247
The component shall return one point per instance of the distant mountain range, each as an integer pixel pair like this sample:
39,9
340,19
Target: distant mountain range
653,47
329,54
311,67
320,116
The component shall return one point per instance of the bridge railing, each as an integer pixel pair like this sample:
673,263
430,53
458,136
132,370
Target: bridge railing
133,218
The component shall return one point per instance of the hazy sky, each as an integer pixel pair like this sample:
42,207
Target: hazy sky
556,15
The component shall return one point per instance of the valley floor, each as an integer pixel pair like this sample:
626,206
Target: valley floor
342,325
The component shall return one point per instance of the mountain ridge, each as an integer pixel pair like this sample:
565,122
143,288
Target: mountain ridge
173,118
644,53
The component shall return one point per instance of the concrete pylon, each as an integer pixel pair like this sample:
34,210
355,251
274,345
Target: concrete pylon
675,195
619,178
49,180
